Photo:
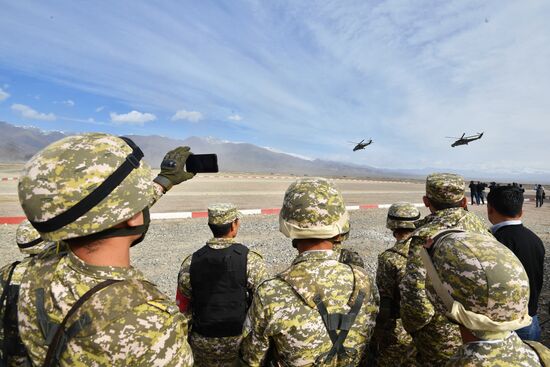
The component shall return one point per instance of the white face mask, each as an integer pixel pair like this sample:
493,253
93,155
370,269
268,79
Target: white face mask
481,325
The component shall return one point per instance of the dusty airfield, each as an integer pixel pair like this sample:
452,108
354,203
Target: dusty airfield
168,242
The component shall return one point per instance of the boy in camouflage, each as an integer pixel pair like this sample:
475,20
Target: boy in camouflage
318,311
392,343
224,221
481,285
30,244
90,307
435,338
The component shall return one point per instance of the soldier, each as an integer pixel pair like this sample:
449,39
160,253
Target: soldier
90,307
435,338
30,244
393,344
215,287
481,286
346,255
318,310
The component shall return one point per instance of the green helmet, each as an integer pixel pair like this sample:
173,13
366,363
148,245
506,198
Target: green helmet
402,215
488,286
84,184
29,241
313,208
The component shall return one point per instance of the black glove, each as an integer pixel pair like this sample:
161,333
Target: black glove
172,170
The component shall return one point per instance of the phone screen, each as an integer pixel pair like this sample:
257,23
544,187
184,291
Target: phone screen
202,163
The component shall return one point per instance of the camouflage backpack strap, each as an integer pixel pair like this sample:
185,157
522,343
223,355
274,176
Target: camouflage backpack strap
62,334
542,351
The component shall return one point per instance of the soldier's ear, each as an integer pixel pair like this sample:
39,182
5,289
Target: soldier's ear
464,202
426,201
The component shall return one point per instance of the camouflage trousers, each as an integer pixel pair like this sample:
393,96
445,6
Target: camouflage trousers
395,347
209,352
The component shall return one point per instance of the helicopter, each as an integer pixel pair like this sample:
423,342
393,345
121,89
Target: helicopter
361,145
464,140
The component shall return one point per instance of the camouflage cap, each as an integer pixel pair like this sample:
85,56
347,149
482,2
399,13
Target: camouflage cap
485,277
313,208
446,188
67,171
29,241
402,215
222,213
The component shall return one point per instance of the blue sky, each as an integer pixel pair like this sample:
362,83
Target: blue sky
303,77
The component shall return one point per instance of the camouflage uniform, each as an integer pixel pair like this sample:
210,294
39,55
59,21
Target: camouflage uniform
435,338
29,243
345,255
284,314
393,344
222,351
480,284
126,323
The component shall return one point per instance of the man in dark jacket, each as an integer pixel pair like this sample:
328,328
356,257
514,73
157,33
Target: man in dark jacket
504,209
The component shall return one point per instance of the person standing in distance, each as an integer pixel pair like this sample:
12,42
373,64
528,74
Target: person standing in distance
215,288
435,338
90,307
318,311
504,210
394,345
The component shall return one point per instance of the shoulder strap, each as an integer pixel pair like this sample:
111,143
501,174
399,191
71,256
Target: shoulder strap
396,252
3,298
8,281
542,351
62,335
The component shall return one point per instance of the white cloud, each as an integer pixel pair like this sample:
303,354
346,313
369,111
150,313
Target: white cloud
100,108
192,116
68,102
235,117
29,113
3,95
133,118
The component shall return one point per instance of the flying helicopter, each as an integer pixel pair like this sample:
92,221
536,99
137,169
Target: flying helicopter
361,144
464,140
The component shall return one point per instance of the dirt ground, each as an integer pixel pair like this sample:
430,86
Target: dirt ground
253,191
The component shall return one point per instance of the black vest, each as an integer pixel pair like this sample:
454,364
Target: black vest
219,296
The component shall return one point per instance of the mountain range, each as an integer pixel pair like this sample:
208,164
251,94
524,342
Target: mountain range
19,143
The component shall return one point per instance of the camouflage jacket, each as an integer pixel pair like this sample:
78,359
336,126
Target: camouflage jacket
392,343
512,352
18,355
347,256
435,338
285,316
131,323
219,351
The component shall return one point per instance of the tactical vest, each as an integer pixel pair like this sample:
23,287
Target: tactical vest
219,296
12,348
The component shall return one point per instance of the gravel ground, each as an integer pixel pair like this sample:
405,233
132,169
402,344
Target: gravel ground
169,242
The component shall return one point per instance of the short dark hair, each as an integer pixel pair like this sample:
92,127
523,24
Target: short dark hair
440,206
506,200
220,230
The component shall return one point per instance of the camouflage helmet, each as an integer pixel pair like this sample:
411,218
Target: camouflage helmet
402,215
446,188
84,184
313,208
487,284
28,239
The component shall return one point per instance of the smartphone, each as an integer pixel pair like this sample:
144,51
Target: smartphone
202,163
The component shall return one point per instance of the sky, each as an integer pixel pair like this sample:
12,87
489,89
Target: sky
304,77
